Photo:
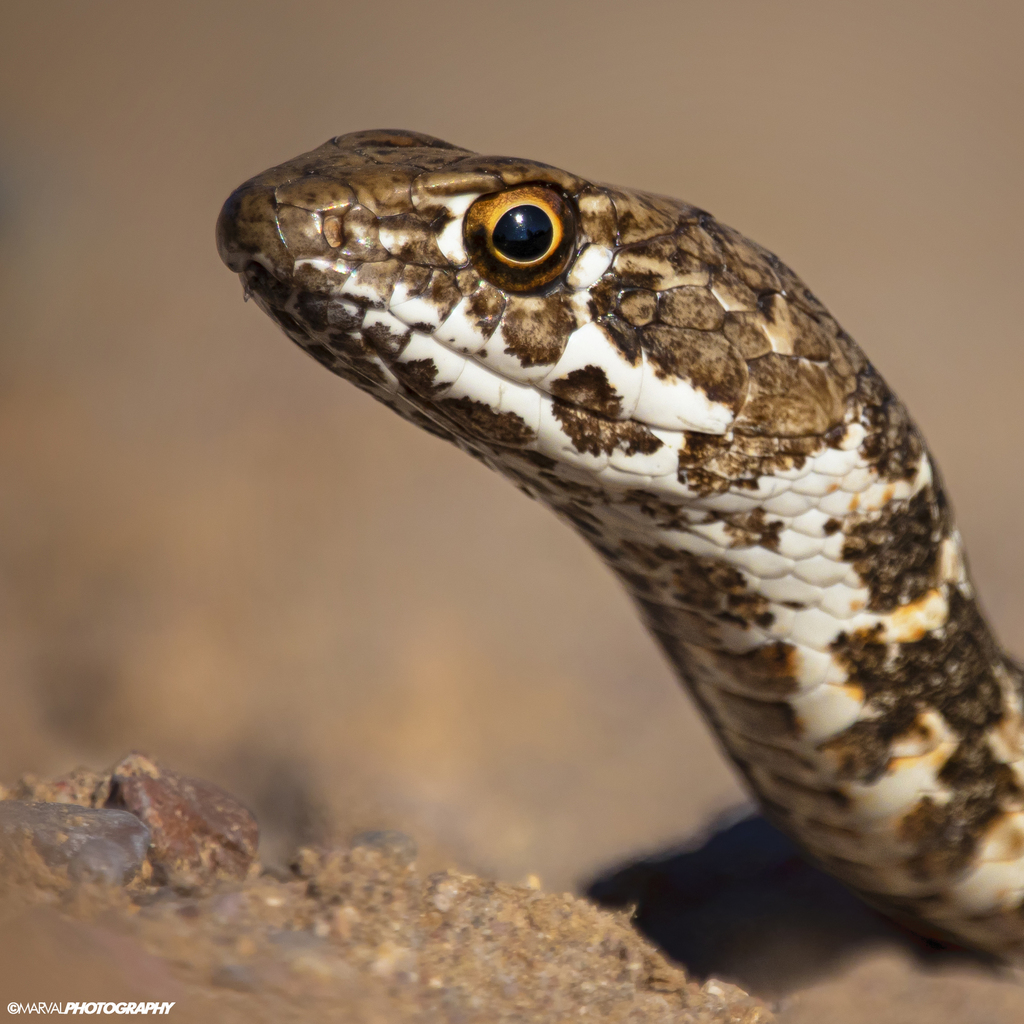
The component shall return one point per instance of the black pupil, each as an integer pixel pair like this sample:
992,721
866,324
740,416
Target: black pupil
523,234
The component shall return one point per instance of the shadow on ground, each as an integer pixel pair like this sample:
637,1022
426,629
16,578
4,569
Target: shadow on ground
746,906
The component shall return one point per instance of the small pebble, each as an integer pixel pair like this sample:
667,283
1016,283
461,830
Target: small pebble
105,846
198,831
101,860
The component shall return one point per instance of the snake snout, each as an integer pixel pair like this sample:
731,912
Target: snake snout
243,226
256,227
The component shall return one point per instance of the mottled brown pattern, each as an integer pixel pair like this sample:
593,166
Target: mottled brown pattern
702,583
357,236
384,339
860,752
699,448
535,328
791,397
413,241
414,278
479,420
772,719
766,672
691,307
625,338
704,358
710,464
752,264
638,306
741,328
484,307
749,528
893,444
658,265
803,335
641,216
597,216
417,375
381,278
347,350
598,435
896,551
442,293
603,297
945,835
588,387
952,670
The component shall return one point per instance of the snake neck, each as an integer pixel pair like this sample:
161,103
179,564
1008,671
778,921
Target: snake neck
831,636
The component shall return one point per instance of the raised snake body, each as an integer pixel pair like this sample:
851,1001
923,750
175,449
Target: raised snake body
678,395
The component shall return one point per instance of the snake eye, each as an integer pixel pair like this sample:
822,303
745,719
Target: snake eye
523,235
520,240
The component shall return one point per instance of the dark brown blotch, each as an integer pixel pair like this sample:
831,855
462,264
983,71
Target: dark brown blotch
700,448
952,670
588,387
417,375
749,529
624,337
385,340
658,264
380,279
896,550
312,308
766,672
860,753
442,292
597,216
478,419
603,297
484,308
407,238
893,444
597,435
536,328
947,835
703,358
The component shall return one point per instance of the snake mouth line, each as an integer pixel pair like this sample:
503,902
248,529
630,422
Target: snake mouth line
463,387
258,279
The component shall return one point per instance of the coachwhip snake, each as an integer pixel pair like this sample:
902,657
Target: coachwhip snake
679,396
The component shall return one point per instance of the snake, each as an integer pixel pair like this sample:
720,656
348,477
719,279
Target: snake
676,394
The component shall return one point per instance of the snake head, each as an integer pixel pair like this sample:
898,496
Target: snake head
512,305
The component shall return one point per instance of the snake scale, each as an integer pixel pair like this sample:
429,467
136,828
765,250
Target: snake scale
677,394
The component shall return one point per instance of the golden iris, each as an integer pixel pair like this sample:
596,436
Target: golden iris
522,239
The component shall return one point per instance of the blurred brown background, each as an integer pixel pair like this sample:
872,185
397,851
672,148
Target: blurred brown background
212,550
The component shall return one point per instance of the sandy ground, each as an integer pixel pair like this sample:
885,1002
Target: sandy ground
152,871
212,550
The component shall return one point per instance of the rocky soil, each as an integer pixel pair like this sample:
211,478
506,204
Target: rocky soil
141,883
